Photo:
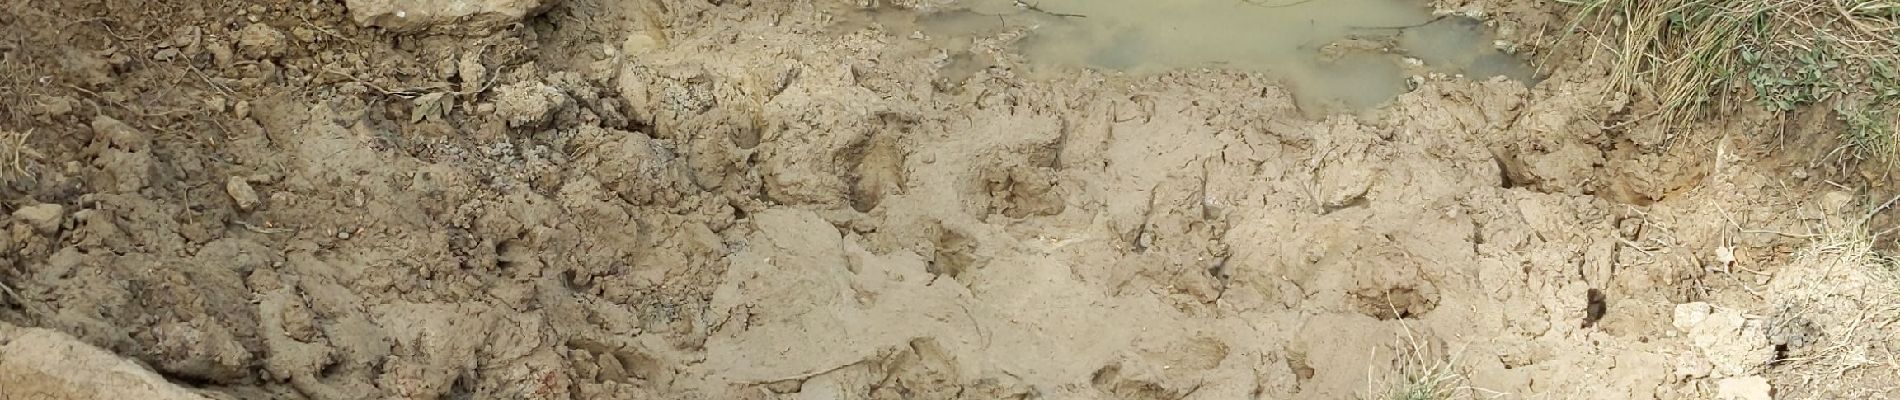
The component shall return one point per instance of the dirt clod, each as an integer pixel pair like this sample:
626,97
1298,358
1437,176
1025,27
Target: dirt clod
416,15
261,41
528,104
44,218
1737,345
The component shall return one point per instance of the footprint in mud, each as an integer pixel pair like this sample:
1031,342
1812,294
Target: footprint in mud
875,170
955,255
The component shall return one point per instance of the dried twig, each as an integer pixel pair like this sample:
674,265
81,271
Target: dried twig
1032,7
10,293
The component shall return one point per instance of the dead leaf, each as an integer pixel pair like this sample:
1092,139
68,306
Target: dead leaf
430,106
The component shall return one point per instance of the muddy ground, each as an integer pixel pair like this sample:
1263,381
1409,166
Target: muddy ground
773,200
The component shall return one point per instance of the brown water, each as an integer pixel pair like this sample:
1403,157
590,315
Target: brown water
1333,54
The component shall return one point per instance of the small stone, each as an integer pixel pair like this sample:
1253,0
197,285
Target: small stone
242,110
1744,388
1689,315
215,104
261,41
42,217
610,368
343,235
241,193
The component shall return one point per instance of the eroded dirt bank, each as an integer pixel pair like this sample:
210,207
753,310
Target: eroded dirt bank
681,199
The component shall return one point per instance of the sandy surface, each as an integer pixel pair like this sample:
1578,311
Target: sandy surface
767,200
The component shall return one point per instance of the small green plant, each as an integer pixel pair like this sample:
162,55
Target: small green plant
1784,55
1681,53
1884,83
1869,133
1782,85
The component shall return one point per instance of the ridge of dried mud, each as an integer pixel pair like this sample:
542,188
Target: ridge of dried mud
679,199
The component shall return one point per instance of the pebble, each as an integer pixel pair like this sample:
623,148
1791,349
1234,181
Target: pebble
240,191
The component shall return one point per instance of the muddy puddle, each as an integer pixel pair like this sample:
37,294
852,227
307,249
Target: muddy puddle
1336,55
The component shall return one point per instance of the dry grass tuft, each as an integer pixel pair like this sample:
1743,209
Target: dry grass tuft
1423,373
1697,56
1423,378
15,152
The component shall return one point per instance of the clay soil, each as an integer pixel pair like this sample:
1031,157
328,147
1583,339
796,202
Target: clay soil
746,199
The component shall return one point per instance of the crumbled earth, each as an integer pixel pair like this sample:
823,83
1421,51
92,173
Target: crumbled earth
758,200
44,364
